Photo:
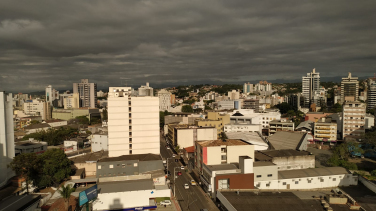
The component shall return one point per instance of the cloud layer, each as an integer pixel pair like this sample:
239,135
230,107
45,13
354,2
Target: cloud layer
171,42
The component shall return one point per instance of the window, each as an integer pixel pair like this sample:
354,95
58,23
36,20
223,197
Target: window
321,180
296,182
270,175
309,181
334,179
223,157
267,184
284,183
135,164
258,176
109,175
99,167
118,165
123,165
111,166
129,164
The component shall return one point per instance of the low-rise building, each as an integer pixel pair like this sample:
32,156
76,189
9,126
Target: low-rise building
252,104
88,161
216,119
56,122
288,140
325,130
36,128
67,114
287,159
248,116
99,141
226,105
185,135
242,127
254,138
30,146
281,125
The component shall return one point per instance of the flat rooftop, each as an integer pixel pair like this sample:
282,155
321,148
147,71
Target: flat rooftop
90,157
268,155
227,142
122,186
222,167
140,157
271,201
250,137
18,202
300,173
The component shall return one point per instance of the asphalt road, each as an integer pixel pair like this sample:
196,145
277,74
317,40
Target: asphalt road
189,199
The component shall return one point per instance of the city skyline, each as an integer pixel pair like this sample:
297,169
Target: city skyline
169,43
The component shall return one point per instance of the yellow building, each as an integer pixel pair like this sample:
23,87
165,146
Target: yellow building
215,119
325,129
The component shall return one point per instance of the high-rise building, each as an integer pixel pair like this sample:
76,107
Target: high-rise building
72,101
87,92
247,88
164,100
353,120
371,96
145,90
133,123
51,94
233,95
349,89
310,84
38,108
7,151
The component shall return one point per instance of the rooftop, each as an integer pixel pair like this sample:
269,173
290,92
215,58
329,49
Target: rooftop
227,142
90,157
140,157
299,173
18,202
268,155
262,201
29,143
122,186
263,163
286,139
55,120
306,124
250,137
190,149
222,167
36,126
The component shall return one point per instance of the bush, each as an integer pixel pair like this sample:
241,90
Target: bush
373,173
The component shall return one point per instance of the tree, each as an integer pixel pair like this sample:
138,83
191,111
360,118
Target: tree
55,168
291,113
34,122
105,114
66,192
187,108
284,107
25,165
83,120
336,108
342,153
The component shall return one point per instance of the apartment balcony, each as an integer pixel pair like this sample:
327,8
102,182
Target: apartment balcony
323,136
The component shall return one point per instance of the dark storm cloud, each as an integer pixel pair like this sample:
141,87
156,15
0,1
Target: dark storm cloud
172,42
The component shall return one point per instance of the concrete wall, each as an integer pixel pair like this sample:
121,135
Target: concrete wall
184,137
99,142
90,168
295,162
237,181
233,152
204,134
121,200
316,182
265,173
213,155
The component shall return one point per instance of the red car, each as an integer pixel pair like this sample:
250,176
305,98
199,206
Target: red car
179,173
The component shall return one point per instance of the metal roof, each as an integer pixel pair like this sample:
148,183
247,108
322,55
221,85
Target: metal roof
140,157
306,124
123,186
286,139
300,173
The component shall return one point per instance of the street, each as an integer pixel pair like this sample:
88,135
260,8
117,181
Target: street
193,198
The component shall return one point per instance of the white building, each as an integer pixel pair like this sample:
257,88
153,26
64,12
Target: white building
247,88
263,86
145,90
133,123
164,100
254,138
99,142
100,93
248,116
7,150
353,120
87,92
187,135
36,108
241,127
233,95
226,105
310,84
72,101
51,94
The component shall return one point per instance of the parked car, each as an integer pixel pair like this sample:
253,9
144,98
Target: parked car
168,147
182,167
173,155
193,182
179,173
186,186
165,202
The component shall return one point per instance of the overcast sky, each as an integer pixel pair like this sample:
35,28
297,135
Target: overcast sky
181,41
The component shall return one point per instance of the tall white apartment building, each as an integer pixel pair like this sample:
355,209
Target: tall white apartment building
72,101
353,120
371,95
263,86
247,88
51,94
87,92
164,100
145,90
349,89
133,123
6,137
310,84
233,95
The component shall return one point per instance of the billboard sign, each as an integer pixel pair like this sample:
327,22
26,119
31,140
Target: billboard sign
88,195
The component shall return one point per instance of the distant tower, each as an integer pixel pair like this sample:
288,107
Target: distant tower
349,89
310,84
87,92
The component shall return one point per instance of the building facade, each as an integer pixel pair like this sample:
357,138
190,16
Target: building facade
353,119
146,90
133,123
310,84
349,89
281,125
51,94
371,95
252,104
164,100
87,92
72,101
325,130
7,150
247,88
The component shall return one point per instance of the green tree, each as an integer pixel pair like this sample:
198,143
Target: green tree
34,122
25,166
284,107
336,108
65,192
342,153
373,173
55,168
105,114
291,113
187,108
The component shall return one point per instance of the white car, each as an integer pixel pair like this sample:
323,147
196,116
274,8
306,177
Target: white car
168,147
193,183
173,155
186,186
182,167
165,202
